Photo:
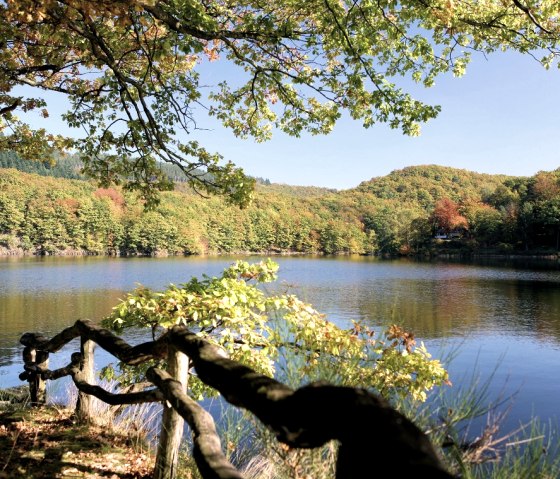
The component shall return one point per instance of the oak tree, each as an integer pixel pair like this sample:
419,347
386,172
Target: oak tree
131,72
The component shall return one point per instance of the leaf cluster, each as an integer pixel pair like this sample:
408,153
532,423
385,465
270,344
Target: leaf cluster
134,73
254,327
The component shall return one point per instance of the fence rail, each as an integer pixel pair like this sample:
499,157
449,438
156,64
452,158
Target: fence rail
365,425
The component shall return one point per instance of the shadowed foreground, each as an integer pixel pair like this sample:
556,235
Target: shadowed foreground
308,417
48,443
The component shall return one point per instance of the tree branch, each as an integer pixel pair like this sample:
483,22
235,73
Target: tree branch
207,451
117,346
529,13
10,108
318,413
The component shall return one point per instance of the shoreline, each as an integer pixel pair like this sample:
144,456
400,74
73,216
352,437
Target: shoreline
536,254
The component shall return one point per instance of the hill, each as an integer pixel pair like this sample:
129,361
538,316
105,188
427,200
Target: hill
424,185
59,167
401,213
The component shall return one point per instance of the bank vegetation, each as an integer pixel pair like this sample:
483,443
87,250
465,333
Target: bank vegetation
420,210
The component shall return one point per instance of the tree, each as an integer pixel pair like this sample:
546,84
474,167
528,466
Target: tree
446,216
485,223
131,70
257,329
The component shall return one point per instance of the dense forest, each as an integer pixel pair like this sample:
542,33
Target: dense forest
45,209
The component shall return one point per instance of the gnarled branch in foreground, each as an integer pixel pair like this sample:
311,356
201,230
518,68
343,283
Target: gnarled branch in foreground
308,417
112,343
313,415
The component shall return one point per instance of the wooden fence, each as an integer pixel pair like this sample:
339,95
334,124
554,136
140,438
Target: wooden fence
366,427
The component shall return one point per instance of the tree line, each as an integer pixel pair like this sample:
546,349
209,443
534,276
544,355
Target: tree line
398,214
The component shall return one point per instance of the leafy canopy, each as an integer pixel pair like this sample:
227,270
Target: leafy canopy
258,329
131,70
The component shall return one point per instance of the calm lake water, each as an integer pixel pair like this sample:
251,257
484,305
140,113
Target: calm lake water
502,319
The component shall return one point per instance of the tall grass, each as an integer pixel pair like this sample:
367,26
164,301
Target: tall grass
139,422
466,424
463,422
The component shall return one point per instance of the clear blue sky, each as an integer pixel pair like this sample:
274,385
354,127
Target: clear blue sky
503,116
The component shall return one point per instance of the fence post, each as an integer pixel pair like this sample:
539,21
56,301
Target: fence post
171,423
85,404
37,385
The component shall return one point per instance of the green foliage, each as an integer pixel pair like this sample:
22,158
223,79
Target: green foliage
151,233
254,328
384,217
11,217
424,185
136,81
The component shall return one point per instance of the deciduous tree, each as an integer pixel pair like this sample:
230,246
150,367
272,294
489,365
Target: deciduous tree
256,328
131,71
446,216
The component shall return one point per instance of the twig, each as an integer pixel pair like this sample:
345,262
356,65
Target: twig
524,441
12,451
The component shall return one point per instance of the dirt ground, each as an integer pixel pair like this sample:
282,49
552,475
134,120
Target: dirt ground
49,443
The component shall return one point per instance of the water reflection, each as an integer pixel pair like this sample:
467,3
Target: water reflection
439,300
46,313
502,315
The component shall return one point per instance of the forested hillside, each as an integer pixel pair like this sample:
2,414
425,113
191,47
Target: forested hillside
59,167
401,213
424,185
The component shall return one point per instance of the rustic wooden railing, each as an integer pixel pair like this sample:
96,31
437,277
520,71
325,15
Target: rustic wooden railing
363,423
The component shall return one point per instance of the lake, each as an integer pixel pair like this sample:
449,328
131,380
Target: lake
502,318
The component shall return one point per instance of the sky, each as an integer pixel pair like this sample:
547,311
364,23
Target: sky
501,117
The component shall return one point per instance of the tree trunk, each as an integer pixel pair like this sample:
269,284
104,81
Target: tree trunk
85,406
171,423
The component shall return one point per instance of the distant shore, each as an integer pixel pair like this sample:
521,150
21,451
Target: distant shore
433,254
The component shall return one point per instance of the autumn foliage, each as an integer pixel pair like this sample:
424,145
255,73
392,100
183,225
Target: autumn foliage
446,216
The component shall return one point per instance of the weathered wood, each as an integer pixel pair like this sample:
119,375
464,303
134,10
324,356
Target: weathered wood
117,346
239,384
116,399
86,404
51,345
172,422
364,423
42,363
28,357
207,450
35,361
69,370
